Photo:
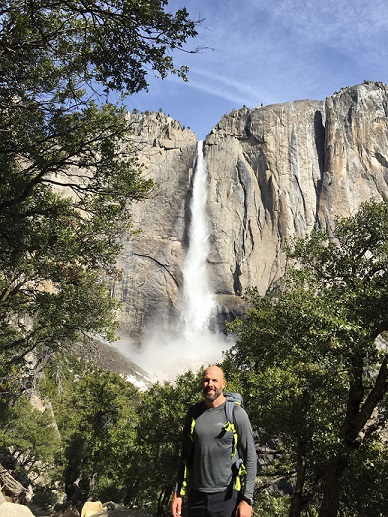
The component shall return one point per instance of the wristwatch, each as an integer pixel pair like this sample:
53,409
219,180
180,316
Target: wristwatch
248,500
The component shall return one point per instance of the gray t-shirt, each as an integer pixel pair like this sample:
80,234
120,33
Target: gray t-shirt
211,469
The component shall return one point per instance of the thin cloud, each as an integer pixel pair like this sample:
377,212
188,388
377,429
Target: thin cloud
338,23
222,86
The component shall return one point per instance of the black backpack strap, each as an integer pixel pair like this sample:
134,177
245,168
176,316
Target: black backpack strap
195,411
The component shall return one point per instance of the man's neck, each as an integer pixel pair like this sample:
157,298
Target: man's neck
215,403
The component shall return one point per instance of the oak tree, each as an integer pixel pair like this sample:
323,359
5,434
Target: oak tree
314,356
68,169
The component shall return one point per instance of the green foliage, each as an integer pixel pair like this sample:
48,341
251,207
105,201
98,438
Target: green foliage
365,489
119,443
67,168
55,250
98,420
55,46
30,436
44,498
114,442
159,439
68,174
308,354
271,506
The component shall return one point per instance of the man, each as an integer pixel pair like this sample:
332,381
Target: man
207,451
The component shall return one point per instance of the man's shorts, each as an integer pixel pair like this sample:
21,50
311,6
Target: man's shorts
217,504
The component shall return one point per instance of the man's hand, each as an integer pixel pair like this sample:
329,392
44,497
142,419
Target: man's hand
244,509
176,505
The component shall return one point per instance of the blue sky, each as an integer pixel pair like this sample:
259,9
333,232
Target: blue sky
270,52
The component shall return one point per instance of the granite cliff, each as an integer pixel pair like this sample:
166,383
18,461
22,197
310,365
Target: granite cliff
274,172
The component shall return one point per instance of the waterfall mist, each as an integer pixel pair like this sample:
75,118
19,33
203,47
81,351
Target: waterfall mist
192,343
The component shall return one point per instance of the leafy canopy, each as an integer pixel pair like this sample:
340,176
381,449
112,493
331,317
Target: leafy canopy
309,356
68,169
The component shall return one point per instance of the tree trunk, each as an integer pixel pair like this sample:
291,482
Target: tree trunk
297,497
358,414
332,487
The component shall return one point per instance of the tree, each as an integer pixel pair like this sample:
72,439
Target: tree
68,171
119,443
309,354
365,491
97,421
159,440
30,439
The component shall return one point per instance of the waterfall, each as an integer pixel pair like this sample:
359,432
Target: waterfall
198,301
191,343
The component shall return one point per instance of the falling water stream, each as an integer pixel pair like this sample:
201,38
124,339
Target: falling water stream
198,300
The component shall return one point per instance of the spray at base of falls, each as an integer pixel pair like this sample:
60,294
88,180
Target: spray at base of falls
167,354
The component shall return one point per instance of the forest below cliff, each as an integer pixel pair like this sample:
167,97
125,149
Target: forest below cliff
311,353
310,360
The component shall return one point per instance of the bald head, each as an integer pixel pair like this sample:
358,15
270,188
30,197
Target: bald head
213,383
214,371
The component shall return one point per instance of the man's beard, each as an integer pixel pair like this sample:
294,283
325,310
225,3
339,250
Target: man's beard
212,396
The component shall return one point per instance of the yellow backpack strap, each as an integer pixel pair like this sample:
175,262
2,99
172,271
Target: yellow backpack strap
229,426
183,488
186,470
238,467
241,472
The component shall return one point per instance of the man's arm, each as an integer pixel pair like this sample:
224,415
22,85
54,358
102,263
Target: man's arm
247,448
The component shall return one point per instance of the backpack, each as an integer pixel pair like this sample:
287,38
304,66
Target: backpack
232,398
238,469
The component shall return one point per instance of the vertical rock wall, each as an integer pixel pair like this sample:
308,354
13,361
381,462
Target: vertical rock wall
265,173
275,172
356,150
151,258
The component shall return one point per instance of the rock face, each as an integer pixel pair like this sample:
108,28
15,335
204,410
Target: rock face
150,290
265,170
274,173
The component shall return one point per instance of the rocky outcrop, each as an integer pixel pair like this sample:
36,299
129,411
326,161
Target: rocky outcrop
274,173
356,150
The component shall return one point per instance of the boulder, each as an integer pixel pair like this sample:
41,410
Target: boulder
91,508
14,510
